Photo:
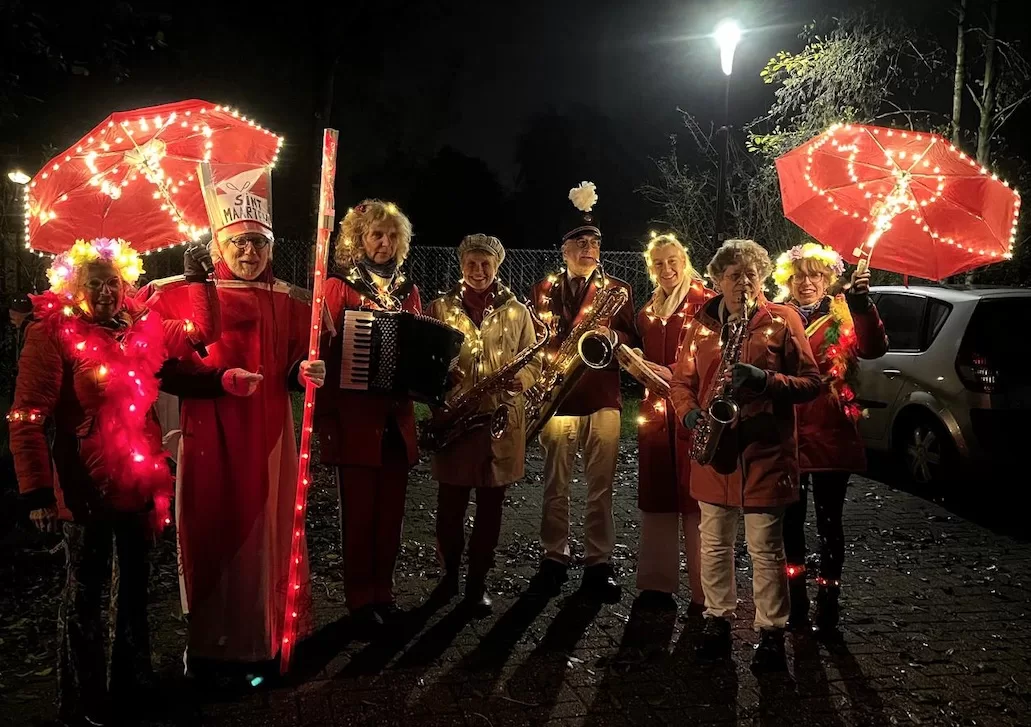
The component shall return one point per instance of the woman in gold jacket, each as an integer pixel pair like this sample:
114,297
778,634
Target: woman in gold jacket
497,328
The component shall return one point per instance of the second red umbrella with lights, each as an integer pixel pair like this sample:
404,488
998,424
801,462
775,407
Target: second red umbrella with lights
903,201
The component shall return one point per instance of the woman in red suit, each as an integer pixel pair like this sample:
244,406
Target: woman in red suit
368,437
663,479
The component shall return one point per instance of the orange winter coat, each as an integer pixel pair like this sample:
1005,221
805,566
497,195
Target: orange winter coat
756,464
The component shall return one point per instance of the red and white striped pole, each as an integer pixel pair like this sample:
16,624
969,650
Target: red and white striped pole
327,213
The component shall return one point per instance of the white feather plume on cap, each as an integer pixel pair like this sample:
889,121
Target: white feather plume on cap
584,196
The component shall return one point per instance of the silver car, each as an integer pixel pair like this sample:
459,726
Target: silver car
954,387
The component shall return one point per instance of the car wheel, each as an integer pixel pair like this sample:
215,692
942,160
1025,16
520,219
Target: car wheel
925,451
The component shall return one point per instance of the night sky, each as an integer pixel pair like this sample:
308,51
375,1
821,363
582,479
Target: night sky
433,98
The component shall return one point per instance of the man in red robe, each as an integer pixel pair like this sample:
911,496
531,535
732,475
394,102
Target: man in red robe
237,466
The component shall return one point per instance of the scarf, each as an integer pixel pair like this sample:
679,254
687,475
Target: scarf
475,302
808,311
666,305
383,270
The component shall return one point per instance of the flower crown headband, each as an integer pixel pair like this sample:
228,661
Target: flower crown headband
118,252
785,267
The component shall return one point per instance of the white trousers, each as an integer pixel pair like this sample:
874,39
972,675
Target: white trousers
764,534
658,553
597,435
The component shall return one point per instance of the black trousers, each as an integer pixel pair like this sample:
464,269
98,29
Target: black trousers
828,493
82,676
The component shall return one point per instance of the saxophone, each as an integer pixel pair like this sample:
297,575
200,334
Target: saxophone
723,411
462,414
562,370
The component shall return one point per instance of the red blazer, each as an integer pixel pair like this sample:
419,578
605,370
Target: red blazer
840,331
756,463
663,479
596,389
352,424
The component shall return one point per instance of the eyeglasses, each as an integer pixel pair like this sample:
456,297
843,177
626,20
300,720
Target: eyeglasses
587,243
752,275
95,285
815,277
258,243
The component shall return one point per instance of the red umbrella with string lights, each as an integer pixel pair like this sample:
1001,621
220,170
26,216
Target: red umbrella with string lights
904,201
134,176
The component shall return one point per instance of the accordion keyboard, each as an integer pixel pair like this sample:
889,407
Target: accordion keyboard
356,362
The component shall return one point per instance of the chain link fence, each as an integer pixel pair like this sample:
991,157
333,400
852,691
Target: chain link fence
435,269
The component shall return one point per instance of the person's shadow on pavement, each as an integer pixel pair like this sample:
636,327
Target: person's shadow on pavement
709,690
637,677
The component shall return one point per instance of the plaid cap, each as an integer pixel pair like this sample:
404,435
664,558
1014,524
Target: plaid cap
482,243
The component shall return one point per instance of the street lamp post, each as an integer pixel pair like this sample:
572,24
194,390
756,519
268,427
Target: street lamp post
727,35
19,178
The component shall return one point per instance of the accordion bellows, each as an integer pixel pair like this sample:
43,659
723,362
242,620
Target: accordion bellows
397,353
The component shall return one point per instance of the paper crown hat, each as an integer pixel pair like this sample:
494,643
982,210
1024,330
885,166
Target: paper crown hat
581,219
238,198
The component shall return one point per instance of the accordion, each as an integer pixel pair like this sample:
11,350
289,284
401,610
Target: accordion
397,353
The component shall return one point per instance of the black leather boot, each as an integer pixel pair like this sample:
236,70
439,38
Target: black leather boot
477,600
769,654
715,643
798,620
825,620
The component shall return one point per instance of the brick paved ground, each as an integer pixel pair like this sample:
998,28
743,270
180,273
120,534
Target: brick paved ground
936,633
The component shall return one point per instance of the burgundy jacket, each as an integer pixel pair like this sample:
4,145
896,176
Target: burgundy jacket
352,424
663,467
596,389
840,330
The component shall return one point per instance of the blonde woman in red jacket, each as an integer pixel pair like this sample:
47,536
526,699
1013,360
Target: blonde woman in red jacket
369,437
664,470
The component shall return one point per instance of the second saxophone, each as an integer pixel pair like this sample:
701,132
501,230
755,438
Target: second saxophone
723,410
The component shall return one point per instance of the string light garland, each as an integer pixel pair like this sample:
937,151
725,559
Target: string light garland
909,170
386,300
696,289
127,363
292,611
128,152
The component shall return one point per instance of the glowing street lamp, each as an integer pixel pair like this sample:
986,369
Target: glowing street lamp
19,177
727,35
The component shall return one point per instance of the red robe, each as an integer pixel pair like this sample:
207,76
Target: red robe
237,472
664,483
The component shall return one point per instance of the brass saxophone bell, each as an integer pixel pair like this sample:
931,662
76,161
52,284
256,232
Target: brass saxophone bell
597,349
